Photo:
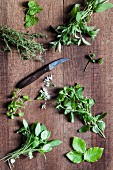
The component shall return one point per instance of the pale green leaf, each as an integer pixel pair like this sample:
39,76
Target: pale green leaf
75,157
37,129
79,145
25,124
103,7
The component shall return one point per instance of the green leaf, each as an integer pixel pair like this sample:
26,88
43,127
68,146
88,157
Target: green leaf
85,42
75,157
79,145
78,16
37,129
25,124
84,128
95,129
75,9
72,117
30,20
21,114
101,125
93,154
26,97
100,117
45,135
103,7
46,148
54,143
35,143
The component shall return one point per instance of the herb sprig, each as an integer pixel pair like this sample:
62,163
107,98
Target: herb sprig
71,100
80,154
74,31
35,139
27,48
33,9
17,104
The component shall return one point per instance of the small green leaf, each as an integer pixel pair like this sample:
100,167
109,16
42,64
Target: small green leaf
101,125
72,117
95,129
54,143
103,7
21,114
30,20
79,145
100,117
12,116
75,9
84,128
45,135
85,42
26,97
75,157
25,124
37,129
46,148
93,154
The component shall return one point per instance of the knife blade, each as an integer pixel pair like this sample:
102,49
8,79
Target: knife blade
35,75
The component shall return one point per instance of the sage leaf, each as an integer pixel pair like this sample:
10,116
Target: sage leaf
25,124
103,7
79,145
93,154
75,157
45,135
37,129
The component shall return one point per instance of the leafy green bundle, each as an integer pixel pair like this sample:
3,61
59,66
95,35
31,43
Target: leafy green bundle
35,140
27,48
74,31
80,154
71,101
17,104
33,9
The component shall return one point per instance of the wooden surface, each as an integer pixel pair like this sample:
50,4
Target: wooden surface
97,80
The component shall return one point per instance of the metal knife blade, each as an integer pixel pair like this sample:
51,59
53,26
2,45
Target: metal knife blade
35,75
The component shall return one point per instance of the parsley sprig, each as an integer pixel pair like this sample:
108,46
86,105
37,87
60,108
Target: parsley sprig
71,100
74,31
24,43
17,104
80,153
35,139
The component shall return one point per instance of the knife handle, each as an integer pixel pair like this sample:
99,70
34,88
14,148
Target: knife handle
31,78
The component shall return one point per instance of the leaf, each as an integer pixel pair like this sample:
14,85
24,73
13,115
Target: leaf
100,117
79,145
30,20
72,117
46,148
103,7
93,154
45,135
35,143
78,16
95,129
37,129
75,157
101,125
54,143
85,42
21,114
75,9
25,124
84,128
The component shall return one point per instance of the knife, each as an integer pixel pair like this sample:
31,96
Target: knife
35,75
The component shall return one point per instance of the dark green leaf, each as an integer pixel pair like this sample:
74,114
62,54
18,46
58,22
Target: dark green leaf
84,128
75,10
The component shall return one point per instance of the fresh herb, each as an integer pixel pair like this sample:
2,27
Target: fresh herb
80,154
33,9
91,59
17,104
43,94
71,100
74,31
35,139
27,48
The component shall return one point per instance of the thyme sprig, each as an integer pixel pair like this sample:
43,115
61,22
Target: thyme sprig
27,48
74,31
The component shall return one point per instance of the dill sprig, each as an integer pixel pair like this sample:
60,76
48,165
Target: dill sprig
27,48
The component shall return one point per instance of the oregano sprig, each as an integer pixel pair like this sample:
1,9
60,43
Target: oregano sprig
81,154
35,139
71,101
74,31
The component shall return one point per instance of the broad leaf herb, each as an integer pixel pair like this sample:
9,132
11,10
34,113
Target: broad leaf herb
74,31
33,9
27,48
80,154
35,139
17,104
71,101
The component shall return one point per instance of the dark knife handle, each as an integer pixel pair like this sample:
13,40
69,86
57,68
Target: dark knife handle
31,78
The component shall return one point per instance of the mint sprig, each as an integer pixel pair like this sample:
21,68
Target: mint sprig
80,153
33,9
76,30
36,139
71,101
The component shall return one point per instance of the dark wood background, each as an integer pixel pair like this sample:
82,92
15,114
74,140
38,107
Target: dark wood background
97,80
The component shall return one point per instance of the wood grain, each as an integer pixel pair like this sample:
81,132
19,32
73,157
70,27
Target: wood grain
97,80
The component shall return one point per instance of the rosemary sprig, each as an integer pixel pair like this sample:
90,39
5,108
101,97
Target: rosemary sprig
27,48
